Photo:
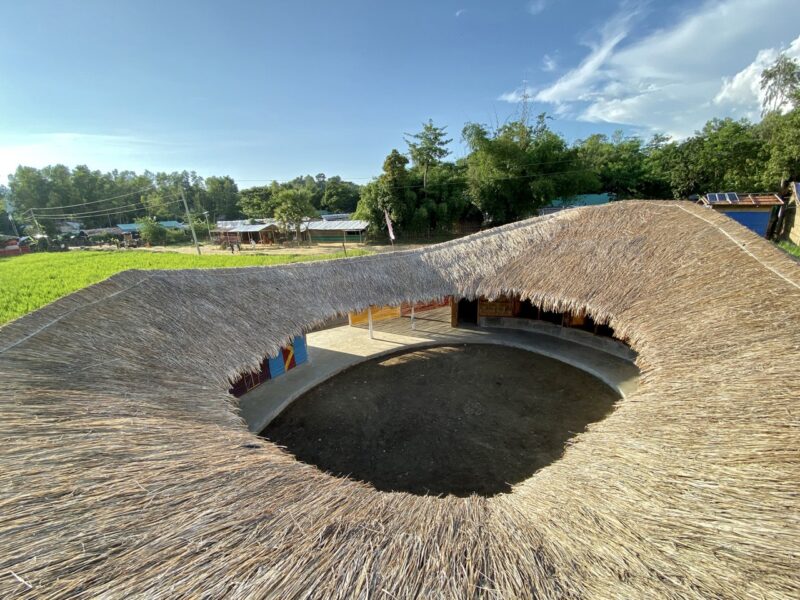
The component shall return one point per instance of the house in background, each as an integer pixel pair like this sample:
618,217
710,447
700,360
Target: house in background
757,212
243,231
347,231
135,227
790,229
560,204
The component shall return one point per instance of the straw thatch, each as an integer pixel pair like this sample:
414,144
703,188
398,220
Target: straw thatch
125,470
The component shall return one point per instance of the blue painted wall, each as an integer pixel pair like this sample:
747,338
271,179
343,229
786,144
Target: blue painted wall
755,220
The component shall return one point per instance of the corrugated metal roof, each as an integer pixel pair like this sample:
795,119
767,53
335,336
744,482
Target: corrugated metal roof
129,227
337,225
251,228
722,199
335,216
172,224
231,225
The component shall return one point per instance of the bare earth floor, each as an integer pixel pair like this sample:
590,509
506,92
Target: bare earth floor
457,419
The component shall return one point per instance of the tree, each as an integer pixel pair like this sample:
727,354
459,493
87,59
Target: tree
157,203
516,169
781,138
428,148
222,197
258,202
619,163
6,227
151,231
291,207
340,196
780,83
392,192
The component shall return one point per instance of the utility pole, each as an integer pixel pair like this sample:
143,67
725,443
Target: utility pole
208,226
189,218
35,222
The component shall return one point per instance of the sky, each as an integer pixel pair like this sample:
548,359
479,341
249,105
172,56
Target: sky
270,90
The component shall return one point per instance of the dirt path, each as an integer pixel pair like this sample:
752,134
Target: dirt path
445,420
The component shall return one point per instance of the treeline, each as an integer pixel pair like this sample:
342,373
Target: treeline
517,168
57,193
509,172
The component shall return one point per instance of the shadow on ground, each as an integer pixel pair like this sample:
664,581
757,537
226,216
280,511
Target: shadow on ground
461,420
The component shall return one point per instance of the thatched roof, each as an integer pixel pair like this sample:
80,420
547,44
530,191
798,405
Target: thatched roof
125,470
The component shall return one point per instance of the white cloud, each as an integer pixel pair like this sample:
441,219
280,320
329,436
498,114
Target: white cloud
576,83
549,63
460,12
742,93
674,79
536,6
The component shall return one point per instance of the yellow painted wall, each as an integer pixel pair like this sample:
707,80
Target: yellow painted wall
379,313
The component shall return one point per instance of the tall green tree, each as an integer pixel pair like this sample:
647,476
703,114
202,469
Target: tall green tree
428,148
340,196
291,207
781,136
222,198
258,202
780,83
392,192
517,168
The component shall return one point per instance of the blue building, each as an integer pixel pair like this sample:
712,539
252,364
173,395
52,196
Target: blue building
757,212
581,200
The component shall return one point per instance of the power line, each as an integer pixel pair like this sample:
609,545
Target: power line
278,180
152,185
103,212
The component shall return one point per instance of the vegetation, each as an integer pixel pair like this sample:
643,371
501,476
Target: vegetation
791,248
30,281
510,171
152,232
291,207
96,199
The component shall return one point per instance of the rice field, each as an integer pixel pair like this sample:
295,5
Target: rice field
30,281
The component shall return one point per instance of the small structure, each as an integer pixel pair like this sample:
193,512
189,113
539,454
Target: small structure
67,227
326,216
336,231
13,246
262,231
758,212
560,204
103,232
791,226
135,227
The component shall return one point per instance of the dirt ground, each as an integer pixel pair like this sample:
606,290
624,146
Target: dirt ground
446,420
246,249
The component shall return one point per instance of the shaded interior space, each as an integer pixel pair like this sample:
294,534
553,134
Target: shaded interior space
455,419
485,312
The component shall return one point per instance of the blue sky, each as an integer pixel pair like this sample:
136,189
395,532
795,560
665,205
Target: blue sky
270,90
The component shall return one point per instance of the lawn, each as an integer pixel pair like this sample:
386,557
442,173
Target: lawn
790,248
30,281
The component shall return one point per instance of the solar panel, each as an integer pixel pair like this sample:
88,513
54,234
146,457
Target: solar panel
712,198
732,197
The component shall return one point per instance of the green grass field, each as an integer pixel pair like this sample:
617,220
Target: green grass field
30,281
790,248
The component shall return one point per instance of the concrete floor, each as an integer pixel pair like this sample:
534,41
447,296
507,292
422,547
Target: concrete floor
334,350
